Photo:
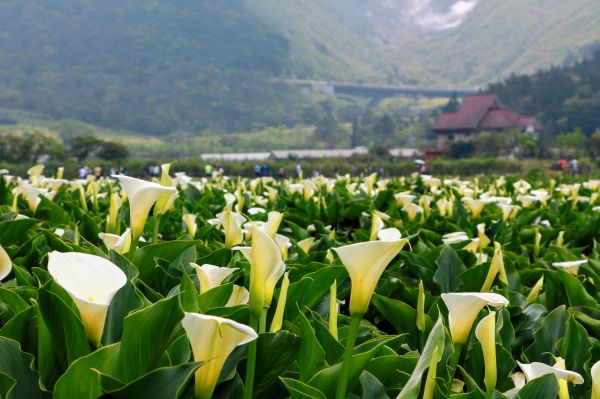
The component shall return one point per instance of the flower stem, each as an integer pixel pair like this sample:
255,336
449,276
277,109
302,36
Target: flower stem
133,247
251,363
454,360
262,326
350,341
155,230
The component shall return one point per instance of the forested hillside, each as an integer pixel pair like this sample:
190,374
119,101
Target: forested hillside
563,99
152,66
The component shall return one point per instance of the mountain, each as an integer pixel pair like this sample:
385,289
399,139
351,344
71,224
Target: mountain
159,66
430,42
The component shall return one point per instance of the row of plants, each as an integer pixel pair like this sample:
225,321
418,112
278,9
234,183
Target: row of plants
408,287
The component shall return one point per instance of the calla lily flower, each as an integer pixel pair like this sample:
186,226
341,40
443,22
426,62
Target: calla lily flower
211,276
442,205
484,241
390,234
255,210
365,262
571,266
166,200
120,244
412,210
496,268
404,199
232,225
32,194
279,310
306,244
113,211
274,219
239,296
91,281
596,380
213,339
463,308
474,206
142,195
537,369
376,225
271,193
453,238
266,268
486,335
190,223
35,172
5,264
283,243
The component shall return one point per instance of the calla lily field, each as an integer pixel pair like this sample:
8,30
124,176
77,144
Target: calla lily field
345,287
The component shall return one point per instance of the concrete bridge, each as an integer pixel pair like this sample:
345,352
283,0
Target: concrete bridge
376,92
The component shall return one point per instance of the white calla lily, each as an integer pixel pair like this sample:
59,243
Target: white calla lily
232,225
142,195
365,262
120,244
239,296
5,264
596,380
212,340
91,281
536,369
211,276
571,266
189,219
463,308
306,244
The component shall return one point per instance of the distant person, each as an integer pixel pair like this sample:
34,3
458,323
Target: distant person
281,173
83,172
573,166
113,170
208,170
381,171
298,170
257,170
354,171
125,171
264,170
97,172
421,166
562,165
316,173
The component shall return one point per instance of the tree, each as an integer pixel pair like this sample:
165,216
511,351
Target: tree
83,146
453,104
384,128
574,141
461,149
491,144
41,143
111,151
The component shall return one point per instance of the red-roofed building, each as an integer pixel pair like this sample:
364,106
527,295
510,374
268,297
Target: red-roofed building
479,113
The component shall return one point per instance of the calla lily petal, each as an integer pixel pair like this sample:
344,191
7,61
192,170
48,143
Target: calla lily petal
390,234
190,223
213,339
571,266
537,369
119,244
486,335
5,264
91,281
142,195
365,263
211,276
305,244
596,380
239,296
463,308
266,267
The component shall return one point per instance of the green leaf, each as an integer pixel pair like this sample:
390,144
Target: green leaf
188,294
61,335
15,231
543,387
275,353
435,339
82,379
372,388
17,365
164,382
146,335
10,304
144,257
576,293
552,329
450,267
326,380
311,356
216,297
300,390
50,212
575,346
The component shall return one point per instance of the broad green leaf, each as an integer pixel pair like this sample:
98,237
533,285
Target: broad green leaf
300,390
275,353
543,387
372,388
146,335
576,293
450,267
552,329
311,355
435,339
17,365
